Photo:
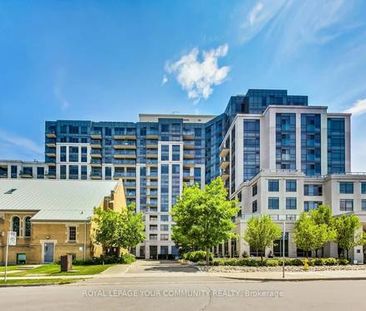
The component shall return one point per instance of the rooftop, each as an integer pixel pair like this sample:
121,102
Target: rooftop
58,200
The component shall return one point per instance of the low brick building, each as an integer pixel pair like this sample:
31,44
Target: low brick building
53,217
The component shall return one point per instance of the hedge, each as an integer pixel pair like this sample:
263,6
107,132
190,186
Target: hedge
124,259
197,256
273,262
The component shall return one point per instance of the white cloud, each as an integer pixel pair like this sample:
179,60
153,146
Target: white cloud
258,17
358,108
164,80
16,144
198,77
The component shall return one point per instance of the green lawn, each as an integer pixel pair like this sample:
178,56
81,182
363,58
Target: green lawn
54,270
38,282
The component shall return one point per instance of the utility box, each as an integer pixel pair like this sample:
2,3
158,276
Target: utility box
21,259
66,263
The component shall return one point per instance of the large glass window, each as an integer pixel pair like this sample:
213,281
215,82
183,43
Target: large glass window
363,187
313,190
176,153
286,141
73,172
363,205
251,150
273,203
15,225
63,153
291,185
72,234
63,171
346,205
273,185
165,153
27,226
84,172
291,203
346,187
310,205
336,145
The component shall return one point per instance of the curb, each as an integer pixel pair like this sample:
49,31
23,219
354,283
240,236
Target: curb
297,279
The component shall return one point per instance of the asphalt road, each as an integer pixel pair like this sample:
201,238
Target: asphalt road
169,286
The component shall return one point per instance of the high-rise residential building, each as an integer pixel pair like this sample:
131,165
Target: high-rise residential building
262,132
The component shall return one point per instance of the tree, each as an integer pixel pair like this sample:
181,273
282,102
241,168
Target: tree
261,232
310,236
322,215
118,229
203,217
346,227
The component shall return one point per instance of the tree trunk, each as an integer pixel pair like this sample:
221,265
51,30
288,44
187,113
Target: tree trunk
207,257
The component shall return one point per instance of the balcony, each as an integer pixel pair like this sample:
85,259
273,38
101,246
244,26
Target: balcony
96,135
96,163
188,163
187,177
188,135
96,153
51,134
96,175
125,154
96,144
188,154
124,175
152,184
152,134
224,152
129,184
51,154
51,144
225,176
188,145
151,162
125,135
151,154
125,145
152,144
224,164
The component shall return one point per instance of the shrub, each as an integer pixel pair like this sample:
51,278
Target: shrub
197,256
343,261
330,261
127,258
272,262
317,262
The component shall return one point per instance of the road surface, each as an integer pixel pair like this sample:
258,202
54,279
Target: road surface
149,285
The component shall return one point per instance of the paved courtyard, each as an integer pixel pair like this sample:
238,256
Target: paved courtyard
150,285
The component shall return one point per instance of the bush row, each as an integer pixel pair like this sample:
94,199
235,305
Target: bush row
197,256
124,259
273,262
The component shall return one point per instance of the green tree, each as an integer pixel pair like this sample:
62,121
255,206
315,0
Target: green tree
123,229
322,215
261,232
203,217
310,236
346,227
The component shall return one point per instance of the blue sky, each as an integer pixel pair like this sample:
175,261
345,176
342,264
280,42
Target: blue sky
110,60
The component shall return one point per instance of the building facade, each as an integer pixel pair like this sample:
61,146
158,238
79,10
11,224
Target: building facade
262,130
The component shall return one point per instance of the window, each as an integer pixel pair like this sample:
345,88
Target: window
291,185
164,237
164,227
165,128
291,203
27,226
40,172
72,234
84,172
165,153
273,185
309,205
15,225
363,187
73,172
176,153
313,190
164,217
254,190
254,206
63,171
63,154
346,205
363,205
346,187
273,203
84,157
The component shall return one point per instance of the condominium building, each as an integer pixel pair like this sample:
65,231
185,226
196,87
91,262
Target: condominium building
264,130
